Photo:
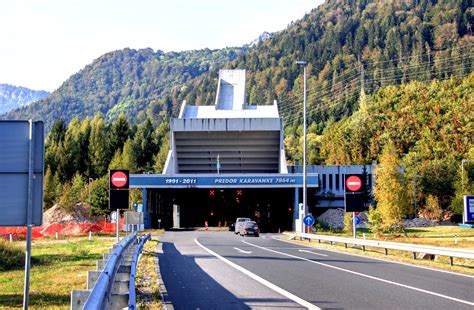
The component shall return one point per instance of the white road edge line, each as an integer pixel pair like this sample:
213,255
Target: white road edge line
242,251
305,251
376,258
364,275
257,278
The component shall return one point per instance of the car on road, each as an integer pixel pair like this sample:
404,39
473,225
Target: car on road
232,227
239,222
249,228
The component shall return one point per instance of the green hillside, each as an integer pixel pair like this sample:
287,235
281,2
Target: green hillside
379,73
138,83
335,39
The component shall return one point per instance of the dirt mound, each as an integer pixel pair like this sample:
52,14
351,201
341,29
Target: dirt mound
57,215
333,217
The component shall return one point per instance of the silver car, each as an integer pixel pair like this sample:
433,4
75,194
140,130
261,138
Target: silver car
239,222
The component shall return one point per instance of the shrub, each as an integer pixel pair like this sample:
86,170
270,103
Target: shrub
11,256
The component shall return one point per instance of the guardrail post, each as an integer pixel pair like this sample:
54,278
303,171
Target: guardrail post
386,251
414,255
108,282
451,260
363,248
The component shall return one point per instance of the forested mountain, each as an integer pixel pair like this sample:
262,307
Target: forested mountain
335,39
13,97
138,83
396,72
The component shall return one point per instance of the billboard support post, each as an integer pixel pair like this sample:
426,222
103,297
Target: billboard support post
29,216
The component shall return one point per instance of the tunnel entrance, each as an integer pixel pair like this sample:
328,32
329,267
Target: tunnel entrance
271,208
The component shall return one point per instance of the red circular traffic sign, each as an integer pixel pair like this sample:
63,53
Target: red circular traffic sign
119,179
353,183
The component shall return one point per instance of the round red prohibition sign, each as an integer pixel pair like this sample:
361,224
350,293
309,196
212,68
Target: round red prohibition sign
119,179
353,183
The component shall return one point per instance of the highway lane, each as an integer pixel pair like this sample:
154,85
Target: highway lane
194,279
332,280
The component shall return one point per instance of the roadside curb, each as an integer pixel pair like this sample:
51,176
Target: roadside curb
165,301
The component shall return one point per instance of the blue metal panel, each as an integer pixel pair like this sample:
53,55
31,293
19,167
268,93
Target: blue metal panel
14,172
468,209
296,213
145,208
221,181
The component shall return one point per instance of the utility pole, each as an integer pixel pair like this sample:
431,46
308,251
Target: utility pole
305,198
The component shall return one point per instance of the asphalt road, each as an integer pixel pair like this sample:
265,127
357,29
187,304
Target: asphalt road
218,270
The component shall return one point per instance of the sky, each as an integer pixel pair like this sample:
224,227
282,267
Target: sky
44,42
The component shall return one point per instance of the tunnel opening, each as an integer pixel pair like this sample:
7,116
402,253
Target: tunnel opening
271,208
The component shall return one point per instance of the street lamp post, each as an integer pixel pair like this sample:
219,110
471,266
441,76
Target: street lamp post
305,198
462,173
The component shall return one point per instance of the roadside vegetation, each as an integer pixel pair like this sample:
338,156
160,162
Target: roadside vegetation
148,289
58,266
444,236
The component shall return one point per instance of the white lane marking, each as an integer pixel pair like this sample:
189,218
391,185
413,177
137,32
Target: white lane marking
313,253
365,275
379,259
242,251
257,278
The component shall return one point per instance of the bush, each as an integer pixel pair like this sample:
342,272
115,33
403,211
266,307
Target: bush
432,210
12,257
348,225
375,219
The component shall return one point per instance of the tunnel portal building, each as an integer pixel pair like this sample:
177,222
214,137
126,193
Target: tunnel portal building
225,161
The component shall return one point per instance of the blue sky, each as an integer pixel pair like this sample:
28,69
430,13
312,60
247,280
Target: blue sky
44,42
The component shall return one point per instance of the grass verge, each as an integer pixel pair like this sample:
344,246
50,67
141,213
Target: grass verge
436,236
58,266
148,290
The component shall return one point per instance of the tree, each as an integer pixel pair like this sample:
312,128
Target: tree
129,161
160,157
50,184
145,145
389,191
98,147
77,187
99,200
66,200
119,133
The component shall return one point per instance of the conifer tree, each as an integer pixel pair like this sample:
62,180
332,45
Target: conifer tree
49,189
98,146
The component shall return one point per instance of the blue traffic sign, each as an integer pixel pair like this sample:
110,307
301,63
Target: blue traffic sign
308,220
357,220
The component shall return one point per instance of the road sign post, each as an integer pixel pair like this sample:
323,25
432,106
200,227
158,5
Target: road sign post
308,221
21,181
354,200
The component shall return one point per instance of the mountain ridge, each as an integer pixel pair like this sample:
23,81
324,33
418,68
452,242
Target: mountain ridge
13,97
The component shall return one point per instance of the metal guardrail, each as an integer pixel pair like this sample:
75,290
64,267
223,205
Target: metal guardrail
132,297
100,294
414,248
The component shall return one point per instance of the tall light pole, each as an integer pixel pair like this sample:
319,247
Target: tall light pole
305,198
462,173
